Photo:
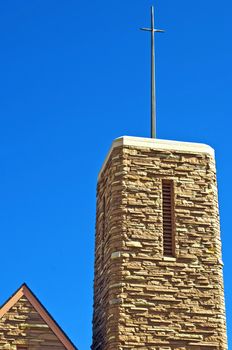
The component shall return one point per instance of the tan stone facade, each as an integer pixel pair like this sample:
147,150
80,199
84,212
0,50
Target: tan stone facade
142,299
26,325
22,325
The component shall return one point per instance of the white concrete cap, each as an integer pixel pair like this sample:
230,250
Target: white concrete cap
141,142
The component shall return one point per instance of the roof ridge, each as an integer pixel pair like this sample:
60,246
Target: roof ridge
24,290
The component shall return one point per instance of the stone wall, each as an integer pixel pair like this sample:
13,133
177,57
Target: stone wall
142,299
22,325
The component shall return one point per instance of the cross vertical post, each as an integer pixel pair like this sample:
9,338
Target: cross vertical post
153,85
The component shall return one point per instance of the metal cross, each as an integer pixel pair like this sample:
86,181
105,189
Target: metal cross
153,90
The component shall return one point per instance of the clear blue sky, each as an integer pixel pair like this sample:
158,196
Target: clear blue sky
74,75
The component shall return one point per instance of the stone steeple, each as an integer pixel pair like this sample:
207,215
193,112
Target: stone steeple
158,269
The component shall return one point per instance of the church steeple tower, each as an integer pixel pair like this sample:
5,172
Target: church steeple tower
158,269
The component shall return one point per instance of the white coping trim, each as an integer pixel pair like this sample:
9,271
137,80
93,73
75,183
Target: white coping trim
188,147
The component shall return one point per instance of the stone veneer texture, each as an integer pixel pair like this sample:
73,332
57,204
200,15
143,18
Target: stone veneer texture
23,326
143,300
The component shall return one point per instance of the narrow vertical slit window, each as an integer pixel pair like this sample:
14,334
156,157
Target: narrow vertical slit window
168,222
103,230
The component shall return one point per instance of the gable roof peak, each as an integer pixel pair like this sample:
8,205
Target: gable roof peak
24,290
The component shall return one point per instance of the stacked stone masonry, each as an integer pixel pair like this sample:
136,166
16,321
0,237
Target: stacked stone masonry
22,326
142,299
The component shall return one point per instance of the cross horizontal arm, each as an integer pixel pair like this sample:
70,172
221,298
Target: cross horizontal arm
147,29
153,30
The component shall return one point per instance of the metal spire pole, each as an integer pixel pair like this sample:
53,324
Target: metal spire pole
153,86
153,90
